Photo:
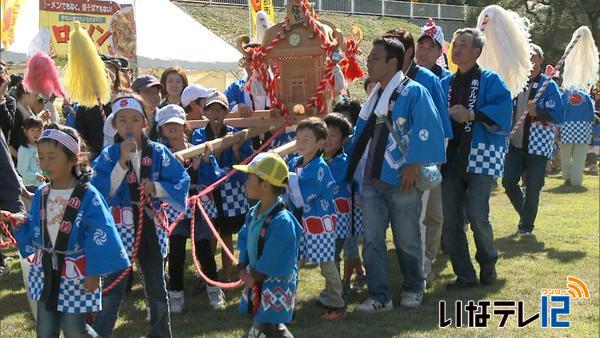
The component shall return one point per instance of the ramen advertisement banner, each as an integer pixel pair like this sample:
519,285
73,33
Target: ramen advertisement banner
110,24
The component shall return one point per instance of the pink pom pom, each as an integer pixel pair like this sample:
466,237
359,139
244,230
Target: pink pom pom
41,76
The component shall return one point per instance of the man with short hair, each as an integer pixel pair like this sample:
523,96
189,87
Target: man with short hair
241,98
431,219
387,173
480,107
533,143
149,89
430,47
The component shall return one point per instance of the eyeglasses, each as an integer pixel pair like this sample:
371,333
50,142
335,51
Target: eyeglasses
371,58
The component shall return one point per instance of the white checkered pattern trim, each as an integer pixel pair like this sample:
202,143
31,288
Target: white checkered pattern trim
358,221
211,209
163,240
343,225
541,140
234,199
578,132
74,299
172,213
127,237
35,279
317,248
487,160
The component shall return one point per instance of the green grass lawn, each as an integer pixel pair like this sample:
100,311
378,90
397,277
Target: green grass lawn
566,244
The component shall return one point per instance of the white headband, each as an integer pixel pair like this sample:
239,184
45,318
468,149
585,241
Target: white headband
127,103
63,138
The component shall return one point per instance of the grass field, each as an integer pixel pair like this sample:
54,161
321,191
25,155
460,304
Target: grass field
566,244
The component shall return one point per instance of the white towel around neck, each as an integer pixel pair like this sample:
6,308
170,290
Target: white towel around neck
383,105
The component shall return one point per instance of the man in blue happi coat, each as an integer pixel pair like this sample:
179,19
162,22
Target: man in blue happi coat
480,106
398,108
533,143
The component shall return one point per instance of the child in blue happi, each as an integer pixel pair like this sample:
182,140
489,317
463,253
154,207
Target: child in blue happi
132,164
575,134
171,129
230,197
72,236
348,225
268,243
311,192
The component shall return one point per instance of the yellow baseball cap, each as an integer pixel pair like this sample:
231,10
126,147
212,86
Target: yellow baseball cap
269,167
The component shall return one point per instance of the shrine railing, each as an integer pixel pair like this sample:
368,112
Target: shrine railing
371,7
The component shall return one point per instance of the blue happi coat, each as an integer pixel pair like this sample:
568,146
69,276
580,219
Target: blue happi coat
235,92
206,173
550,113
165,170
232,191
346,225
277,262
315,188
579,114
94,245
422,130
489,143
433,84
444,72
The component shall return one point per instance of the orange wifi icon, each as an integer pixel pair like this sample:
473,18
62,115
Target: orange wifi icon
577,288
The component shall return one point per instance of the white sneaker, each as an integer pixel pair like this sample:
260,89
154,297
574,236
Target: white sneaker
523,233
321,299
148,313
176,301
411,299
216,297
373,306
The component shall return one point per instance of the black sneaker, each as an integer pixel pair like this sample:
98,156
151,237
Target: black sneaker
269,330
360,281
460,284
524,233
346,291
488,275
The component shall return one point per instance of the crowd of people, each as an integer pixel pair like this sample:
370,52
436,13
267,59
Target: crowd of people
421,154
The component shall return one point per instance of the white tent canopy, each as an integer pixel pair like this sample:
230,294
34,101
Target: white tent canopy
166,36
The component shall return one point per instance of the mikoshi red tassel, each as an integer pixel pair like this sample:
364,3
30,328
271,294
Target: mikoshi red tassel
353,71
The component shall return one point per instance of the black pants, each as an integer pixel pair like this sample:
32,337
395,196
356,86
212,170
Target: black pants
177,260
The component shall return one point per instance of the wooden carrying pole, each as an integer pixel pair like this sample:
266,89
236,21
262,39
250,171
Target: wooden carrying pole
286,149
259,118
221,143
241,122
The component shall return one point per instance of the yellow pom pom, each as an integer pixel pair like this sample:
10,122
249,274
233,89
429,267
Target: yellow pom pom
85,75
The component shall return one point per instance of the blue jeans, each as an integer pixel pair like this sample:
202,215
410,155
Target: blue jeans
519,162
468,194
382,204
151,263
49,323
